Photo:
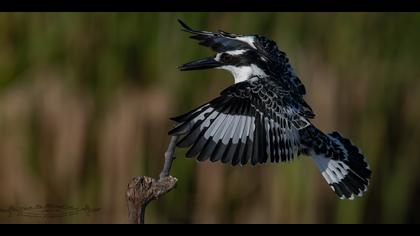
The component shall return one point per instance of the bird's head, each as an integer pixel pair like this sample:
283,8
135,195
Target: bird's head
243,64
235,53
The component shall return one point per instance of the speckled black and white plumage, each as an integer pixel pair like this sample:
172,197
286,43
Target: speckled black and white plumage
252,121
265,118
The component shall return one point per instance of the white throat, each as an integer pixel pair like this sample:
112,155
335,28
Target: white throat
244,73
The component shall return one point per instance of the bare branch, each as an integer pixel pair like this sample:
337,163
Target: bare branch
169,157
143,189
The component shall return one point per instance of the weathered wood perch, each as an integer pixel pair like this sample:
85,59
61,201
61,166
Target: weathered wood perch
143,189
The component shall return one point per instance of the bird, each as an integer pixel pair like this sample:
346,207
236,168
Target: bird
263,117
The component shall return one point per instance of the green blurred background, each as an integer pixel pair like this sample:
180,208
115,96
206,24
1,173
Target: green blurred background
85,100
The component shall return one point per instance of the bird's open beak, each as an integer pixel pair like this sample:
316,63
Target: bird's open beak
201,64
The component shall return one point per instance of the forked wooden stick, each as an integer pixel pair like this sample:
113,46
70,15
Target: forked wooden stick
143,189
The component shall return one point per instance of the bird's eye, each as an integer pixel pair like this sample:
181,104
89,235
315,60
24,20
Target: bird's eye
225,57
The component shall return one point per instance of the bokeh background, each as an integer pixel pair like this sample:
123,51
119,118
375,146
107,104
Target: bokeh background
85,100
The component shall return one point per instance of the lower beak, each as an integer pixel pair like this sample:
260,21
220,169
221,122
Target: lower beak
206,63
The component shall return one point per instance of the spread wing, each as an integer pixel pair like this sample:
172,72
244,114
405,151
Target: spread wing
253,121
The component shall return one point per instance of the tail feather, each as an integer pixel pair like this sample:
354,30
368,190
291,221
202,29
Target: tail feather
342,165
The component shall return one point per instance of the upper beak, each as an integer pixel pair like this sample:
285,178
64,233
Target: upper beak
206,63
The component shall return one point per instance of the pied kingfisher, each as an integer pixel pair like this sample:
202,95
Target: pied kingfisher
263,116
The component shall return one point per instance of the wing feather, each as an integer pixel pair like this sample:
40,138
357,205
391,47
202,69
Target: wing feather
249,122
235,135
